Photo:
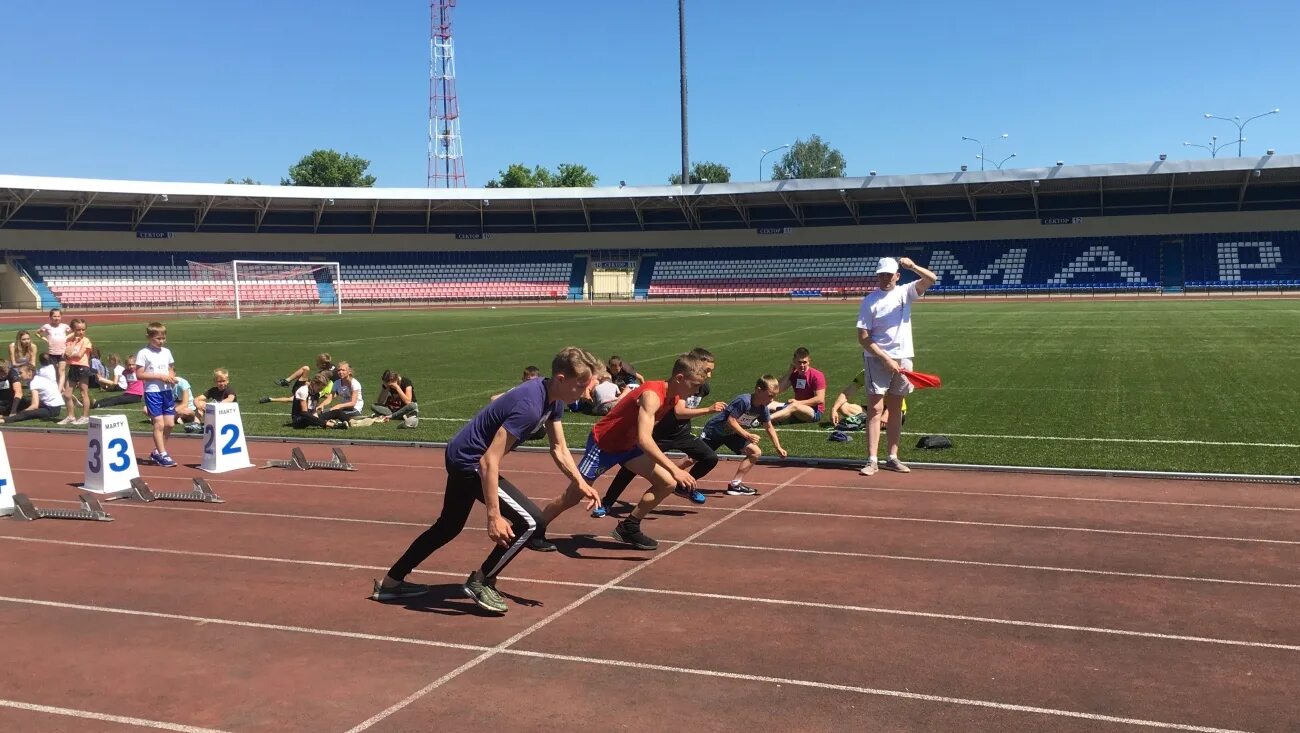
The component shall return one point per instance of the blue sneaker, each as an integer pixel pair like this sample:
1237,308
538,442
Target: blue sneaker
165,461
599,512
695,495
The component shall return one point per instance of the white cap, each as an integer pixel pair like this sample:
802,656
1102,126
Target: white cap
888,265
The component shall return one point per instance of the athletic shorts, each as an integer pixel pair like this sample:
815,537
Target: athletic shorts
596,461
735,442
158,404
880,380
78,374
54,358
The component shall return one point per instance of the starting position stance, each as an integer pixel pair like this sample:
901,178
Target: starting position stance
473,461
626,437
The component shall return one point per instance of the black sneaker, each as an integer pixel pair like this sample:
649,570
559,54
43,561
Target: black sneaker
282,382
633,537
539,543
401,590
263,400
741,490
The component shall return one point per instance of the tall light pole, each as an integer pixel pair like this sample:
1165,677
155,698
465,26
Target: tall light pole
764,155
1003,136
1215,146
998,164
681,48
1241,126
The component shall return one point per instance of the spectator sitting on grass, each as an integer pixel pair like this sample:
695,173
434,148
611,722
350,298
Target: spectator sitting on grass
396,399
45,402
219,392
132,391
530,372
306,410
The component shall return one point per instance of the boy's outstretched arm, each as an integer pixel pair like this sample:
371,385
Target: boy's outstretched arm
564,461
645,426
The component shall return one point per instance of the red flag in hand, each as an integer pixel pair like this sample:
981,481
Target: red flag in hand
920,380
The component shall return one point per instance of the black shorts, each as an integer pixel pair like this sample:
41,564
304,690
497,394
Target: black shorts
735,442
54,358
78,374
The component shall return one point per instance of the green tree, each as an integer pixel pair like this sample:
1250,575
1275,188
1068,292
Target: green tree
704,171
566,175
246,181
330,168
809,158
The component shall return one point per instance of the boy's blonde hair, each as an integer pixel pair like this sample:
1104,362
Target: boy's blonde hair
220,372
690,365
575,362
324,360
155,329
769,383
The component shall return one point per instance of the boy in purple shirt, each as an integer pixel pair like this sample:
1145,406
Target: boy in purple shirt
473,460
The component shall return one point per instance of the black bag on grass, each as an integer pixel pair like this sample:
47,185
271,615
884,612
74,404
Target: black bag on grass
933,442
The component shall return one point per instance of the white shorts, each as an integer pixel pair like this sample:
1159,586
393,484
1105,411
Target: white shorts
882,381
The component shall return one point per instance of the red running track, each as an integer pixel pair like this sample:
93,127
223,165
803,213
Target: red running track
934,601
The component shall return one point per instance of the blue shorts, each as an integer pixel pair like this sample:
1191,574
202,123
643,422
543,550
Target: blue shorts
595,461
158,404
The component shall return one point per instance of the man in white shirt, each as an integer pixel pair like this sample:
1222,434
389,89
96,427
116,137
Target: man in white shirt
46,400
885,333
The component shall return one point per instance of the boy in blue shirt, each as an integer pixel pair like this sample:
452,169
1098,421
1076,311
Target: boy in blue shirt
730,428
473,460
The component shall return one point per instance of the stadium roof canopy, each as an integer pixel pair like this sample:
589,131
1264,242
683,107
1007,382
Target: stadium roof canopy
1269,182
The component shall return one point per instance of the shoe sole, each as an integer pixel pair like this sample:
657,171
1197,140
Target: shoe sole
615,534
395,596
543,548
904,469
480,603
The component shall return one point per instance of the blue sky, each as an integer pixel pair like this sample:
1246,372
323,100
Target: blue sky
183,91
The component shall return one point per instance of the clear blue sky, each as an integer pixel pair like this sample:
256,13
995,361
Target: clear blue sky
186,91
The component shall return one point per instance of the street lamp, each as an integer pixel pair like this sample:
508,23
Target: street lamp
765,152
1215,146
998,164
1241,126
1003,136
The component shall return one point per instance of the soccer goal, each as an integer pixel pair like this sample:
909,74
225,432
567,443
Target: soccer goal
266,286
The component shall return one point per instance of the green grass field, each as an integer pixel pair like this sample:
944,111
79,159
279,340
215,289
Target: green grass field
1159,385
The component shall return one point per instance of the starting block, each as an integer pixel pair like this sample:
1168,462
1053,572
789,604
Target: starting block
23,509
298,462
19,506
140,491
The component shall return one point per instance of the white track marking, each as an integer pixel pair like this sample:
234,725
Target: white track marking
903,694
1012,566
1045,527
104,717
720,545
502,649
964,618
505,645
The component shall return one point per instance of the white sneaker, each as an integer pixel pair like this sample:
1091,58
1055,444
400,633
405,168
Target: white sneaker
893,464
65,421
81,421
869,469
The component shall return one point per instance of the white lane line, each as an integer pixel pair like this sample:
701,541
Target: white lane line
904,694
505,645
834,553
720,596
1045,527
1048,497
231,622
1010,566
965,619
105,717
791,512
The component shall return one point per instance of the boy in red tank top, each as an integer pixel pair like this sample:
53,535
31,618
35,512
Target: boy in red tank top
626,437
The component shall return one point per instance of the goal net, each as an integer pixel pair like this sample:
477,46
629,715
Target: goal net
251,287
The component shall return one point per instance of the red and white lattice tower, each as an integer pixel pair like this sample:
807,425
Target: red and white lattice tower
446,158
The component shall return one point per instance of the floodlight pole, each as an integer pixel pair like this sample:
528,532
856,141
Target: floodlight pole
681,48
1241,126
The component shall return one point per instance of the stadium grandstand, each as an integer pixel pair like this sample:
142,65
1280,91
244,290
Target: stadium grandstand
1161,227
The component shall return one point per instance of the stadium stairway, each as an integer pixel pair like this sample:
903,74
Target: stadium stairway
577,277
47,296
644,274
